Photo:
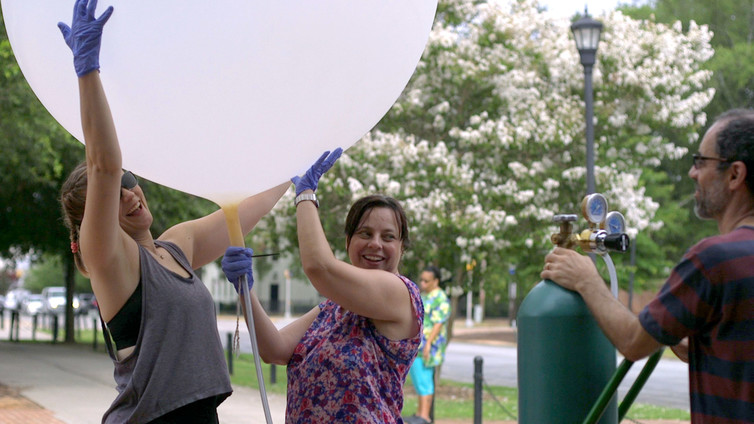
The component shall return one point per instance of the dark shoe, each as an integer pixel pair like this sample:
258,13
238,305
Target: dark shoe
414,419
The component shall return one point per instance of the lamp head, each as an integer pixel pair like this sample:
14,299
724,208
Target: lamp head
586,33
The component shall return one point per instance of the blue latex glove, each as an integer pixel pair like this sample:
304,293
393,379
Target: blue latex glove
310,179
237,262
84,35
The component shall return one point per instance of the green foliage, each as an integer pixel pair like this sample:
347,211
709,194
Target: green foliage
36,156
729,20
733,76
48,271
731,23
642,12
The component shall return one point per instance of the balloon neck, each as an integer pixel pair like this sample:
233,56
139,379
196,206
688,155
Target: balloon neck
233,223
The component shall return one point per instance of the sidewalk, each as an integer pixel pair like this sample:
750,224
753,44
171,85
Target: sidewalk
491,331
59,384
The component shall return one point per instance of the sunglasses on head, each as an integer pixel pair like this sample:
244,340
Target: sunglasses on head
128,180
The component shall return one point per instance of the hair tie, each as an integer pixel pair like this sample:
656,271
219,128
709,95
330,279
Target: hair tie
74,247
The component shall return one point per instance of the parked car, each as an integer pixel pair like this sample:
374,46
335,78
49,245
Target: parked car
54,300
87,302
32,304
14,298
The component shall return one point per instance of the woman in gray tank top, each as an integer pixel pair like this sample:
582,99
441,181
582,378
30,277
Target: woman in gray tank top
175,370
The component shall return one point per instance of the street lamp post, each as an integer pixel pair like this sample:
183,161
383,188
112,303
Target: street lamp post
586,32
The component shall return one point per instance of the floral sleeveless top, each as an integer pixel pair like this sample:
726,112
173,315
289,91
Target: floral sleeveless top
436,311
344,371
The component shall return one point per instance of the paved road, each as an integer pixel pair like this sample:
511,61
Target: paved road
667,386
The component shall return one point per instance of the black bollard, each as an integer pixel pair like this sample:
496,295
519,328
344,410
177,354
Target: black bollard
17,325
10,333
478,379
94,333
273,374
230,353
54,328
436,377
34,328
13,324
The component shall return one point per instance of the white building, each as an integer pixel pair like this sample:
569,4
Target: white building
277,293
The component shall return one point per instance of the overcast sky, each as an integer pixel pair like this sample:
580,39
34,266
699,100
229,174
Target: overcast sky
568,8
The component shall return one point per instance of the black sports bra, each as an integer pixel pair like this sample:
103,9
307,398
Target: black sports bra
124,327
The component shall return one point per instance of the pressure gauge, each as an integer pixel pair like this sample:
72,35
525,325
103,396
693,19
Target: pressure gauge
594,208
615,223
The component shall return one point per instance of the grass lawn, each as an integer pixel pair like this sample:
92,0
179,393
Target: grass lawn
454,400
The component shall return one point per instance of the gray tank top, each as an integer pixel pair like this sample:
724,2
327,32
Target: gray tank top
178,357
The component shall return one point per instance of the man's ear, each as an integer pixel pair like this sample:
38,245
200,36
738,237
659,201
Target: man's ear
737,176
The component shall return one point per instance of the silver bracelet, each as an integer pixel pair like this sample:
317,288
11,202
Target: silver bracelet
306,196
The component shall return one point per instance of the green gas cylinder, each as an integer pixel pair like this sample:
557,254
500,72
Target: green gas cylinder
564,359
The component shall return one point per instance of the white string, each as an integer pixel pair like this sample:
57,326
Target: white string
245,292
237,336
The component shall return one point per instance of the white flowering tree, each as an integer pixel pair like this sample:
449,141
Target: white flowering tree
487,142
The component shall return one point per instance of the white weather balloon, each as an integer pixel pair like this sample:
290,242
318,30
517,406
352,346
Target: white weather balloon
224,99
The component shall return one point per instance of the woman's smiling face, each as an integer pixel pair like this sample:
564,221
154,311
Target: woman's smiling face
376,243
134,212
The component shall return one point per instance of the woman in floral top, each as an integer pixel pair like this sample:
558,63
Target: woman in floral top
348,357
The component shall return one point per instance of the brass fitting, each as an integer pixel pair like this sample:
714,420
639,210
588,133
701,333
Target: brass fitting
589,240
565,238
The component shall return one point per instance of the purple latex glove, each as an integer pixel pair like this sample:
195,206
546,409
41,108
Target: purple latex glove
309,180
237,262
85,35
